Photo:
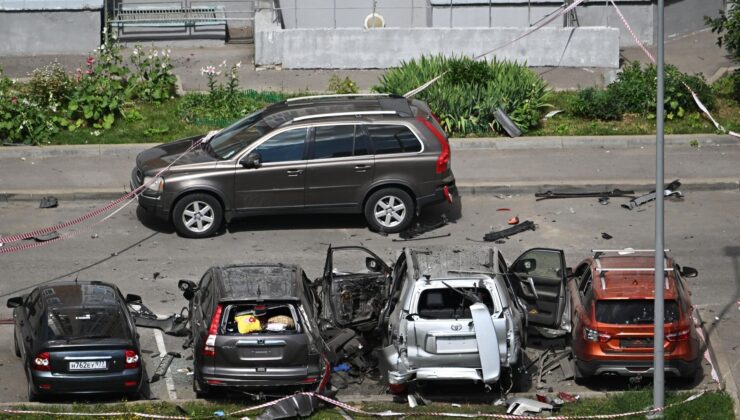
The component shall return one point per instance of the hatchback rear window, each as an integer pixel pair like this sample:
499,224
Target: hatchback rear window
66,323
393,139
449,304
270,318
633,312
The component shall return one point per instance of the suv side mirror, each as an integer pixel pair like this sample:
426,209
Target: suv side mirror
133,299
252,161
689,272
15,302
372,264
525,266
188,288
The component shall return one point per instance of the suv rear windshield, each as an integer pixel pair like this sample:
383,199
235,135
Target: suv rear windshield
67,322
449,304
269,318
633,312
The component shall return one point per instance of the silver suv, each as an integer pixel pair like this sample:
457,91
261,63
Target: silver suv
379,155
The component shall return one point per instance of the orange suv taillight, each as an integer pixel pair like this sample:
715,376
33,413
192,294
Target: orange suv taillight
42,361
209,348
595,336
682,335
443,161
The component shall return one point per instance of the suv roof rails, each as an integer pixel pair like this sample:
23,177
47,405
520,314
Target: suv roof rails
601,270
343,95
625,251
343,114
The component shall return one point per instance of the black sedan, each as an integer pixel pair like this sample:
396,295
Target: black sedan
77,338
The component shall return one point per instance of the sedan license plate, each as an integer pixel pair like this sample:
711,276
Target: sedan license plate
88,365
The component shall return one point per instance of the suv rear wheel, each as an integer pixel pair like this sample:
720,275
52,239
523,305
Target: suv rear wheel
389,210
197,215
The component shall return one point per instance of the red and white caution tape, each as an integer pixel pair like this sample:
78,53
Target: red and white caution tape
698,102
131,196
356,410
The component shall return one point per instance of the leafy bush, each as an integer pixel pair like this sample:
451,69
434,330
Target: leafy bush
50,85
342,86
22,120
728,86
152,78
727,26
635,91
466,97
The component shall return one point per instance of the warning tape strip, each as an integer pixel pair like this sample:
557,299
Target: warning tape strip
356,410
698,102
87,216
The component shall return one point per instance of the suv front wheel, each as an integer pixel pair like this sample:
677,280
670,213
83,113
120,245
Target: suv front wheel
389,210
197,215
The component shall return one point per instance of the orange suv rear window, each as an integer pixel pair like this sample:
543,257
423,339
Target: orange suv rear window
633,312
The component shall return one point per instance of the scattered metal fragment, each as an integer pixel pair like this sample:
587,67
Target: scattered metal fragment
568,397
48,202
519,406
603,201
671,190
46,236
164,364
175,324
551,114
521,227
443,235
606,236
585,194
513,221
503,209
508,125
419,229
299,405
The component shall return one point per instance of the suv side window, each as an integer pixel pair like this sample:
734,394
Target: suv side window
339,141
584,285
205,293
393,139
284,147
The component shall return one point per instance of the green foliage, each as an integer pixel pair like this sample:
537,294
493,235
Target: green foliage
342,86
727,27
635,92
152,78
49,85
22,119
728,86
466,97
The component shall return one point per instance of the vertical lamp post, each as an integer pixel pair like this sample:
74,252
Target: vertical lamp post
659,336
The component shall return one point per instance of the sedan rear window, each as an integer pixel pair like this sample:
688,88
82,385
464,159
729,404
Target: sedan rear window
65,323
633,312
271,318
449,304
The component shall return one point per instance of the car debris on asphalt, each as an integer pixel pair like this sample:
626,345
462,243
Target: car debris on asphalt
48,202
415,232
520,406
506,233
547,195
671,190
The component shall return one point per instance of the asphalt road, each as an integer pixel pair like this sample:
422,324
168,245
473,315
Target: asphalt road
702,231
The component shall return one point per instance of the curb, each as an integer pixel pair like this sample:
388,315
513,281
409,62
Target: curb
494,143
721,184
721,364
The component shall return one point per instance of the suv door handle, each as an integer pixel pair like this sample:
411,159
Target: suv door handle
294,172
362,168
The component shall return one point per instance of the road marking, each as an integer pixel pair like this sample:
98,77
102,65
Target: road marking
169,383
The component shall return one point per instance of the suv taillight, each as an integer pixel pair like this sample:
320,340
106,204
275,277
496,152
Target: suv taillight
443,161
209,348
132,359
681,335
42,362
595,336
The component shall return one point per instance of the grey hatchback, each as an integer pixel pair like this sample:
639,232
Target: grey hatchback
379,155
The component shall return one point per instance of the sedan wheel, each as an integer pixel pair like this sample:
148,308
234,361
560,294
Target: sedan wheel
390,210
197,215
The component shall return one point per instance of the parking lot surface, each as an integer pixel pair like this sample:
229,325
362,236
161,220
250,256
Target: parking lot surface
145,257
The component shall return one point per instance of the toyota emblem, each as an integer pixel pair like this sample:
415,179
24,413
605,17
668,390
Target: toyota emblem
456,327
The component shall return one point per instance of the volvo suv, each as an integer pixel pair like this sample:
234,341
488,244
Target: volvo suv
612,296
380,155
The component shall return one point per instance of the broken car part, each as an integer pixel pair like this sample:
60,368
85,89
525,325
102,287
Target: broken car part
585,194
175,324
48,203
495,235
299,405
164,364
519,406
671,190
46,236
419,229
508,125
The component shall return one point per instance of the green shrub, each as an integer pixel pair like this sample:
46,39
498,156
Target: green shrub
635,92
728,86
466,97
597,104
22,120
342,86
221,109
152,78
50,85
727,26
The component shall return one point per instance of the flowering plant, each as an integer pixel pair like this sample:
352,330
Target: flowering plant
152,79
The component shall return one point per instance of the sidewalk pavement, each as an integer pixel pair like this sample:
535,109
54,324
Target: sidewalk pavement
481,166
695,53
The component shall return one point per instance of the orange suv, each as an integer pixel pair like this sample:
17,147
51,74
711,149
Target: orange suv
612,296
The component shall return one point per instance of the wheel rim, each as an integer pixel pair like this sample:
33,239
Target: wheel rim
198,216
389,211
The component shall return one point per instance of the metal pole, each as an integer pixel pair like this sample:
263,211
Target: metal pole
659,336
450,13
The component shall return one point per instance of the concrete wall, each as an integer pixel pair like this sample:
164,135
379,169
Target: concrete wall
383,48
508,15
686,16
352,13
49,32
639,14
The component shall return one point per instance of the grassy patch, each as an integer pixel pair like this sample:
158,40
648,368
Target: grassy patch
712,406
